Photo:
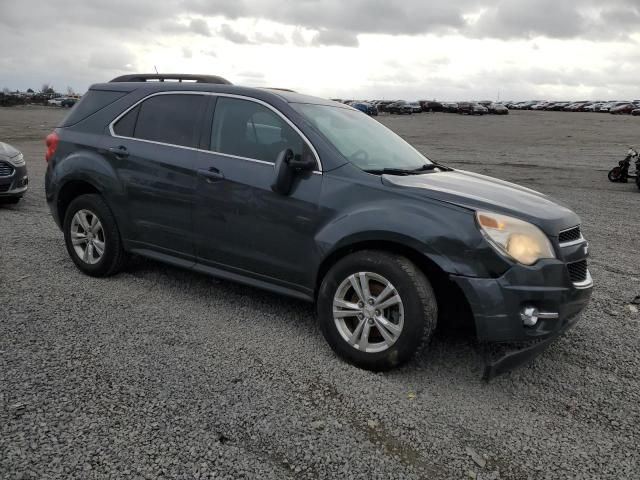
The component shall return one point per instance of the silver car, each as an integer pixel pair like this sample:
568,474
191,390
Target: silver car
13,174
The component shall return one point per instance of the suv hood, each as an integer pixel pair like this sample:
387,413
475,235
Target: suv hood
479,192
7,151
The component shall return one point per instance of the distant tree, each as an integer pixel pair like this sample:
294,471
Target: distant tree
30,90
70,91
45,87
5,90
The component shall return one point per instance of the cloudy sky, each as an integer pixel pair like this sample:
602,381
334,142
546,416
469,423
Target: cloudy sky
413,49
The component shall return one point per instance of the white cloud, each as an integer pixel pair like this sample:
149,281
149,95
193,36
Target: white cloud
412,49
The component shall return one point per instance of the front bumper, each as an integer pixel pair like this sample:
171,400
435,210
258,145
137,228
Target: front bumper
15,184
497,303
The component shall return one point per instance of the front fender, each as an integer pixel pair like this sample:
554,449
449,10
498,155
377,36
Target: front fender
444,233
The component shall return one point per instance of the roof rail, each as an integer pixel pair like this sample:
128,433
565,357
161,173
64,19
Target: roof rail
280,89
172,77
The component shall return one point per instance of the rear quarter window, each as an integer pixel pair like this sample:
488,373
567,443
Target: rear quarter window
90,103
172,119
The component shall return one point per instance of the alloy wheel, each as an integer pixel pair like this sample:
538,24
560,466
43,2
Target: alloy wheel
87,236
368,312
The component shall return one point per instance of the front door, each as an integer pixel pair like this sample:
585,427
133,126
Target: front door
239,222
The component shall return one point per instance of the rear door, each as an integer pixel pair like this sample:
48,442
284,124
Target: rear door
153,148
240,223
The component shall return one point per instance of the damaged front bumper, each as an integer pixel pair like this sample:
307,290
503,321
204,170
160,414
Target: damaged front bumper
504,310
503,357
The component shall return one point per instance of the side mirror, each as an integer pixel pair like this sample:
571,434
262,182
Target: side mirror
286,167
284,173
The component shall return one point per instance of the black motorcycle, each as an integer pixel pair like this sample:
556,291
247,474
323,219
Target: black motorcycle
621,172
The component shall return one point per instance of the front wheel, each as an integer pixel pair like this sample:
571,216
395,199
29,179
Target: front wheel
376,309
638,180
92,237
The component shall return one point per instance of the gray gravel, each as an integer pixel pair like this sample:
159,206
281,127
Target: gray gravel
162,373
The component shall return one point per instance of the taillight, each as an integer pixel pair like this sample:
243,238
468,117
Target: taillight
52,145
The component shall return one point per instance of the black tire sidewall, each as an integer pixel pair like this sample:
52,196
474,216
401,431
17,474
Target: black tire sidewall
96,205
614,174
416,324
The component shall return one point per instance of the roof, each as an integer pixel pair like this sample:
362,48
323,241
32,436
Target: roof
206,83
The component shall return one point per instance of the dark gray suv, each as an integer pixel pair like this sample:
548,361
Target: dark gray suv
313,199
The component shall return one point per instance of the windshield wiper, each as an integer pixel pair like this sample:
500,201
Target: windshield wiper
406,171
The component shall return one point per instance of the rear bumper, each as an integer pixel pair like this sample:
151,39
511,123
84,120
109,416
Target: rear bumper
16,184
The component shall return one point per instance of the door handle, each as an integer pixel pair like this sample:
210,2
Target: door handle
119,152
211,174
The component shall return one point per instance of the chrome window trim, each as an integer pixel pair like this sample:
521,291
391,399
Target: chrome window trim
216,94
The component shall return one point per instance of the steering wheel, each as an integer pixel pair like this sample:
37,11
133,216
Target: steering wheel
360,155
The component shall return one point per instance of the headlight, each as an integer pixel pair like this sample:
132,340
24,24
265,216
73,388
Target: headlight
513,238
18,160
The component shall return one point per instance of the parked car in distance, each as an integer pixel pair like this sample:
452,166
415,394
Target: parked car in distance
450,107
13,174
68,102
415,107
383,105
309,198
471,108
593,107
400,108
540,106
622,108
432,106
498,109
62,101
635,112
365,107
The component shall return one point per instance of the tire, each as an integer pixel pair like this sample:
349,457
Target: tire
414,318
614,174
638,180
113,257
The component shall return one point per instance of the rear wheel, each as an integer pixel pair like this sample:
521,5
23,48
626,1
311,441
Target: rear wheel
614,174
92,237
376,309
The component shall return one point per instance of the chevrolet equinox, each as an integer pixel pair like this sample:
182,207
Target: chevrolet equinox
312,199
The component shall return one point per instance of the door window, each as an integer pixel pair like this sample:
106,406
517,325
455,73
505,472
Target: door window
173,119
247,129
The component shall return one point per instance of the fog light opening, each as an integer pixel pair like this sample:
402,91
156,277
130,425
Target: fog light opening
530,316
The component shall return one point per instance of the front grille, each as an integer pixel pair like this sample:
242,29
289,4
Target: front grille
6,170
577,271
570,235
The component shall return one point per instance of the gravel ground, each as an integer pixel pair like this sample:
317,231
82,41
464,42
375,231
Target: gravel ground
162,373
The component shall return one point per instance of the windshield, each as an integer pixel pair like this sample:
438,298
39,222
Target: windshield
361,140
